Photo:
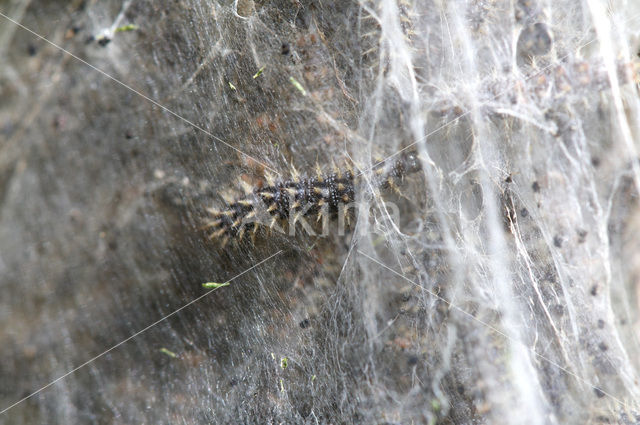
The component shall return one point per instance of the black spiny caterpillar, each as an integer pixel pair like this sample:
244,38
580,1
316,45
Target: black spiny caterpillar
317,196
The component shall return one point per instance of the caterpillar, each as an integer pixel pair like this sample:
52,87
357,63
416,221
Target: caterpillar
317,195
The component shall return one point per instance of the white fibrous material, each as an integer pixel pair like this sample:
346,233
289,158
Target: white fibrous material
485,270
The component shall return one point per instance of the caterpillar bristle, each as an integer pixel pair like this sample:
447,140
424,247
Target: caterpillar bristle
319,173
335,169
396,189
246,187
294,173
271,179
266,195
210,224
291,190
350,167
346,216
228,196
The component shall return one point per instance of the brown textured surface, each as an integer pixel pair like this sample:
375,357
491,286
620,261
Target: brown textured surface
524,215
